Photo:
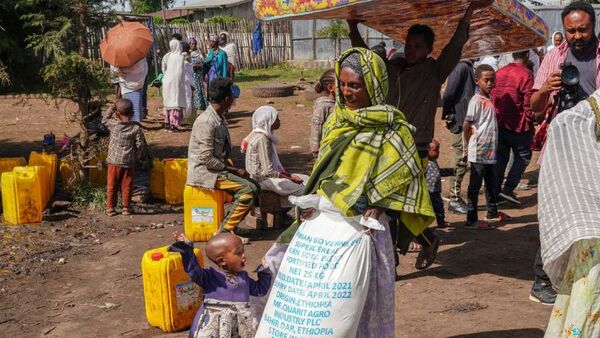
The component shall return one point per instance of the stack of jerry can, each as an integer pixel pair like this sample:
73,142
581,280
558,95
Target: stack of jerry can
171,298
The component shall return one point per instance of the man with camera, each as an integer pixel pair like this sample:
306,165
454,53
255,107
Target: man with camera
553,85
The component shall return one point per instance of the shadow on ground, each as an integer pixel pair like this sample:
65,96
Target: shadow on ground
516,333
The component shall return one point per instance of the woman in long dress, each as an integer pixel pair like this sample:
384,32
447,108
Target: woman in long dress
215,64
197,60
368,147
173,86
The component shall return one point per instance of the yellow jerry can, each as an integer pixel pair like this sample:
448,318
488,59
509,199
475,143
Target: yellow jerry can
22,197
175,178
49,161
157,179
203,212
171,298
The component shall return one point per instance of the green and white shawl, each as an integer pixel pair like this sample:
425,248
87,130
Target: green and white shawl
370,151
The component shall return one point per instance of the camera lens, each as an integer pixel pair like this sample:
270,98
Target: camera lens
570,75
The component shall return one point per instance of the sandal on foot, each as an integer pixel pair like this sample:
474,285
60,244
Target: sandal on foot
501,217
126,212
479,225
444,225
425,259
110,212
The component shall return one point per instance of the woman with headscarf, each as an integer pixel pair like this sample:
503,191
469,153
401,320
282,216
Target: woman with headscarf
262,160
173,85
231,50
215,64
557,39
197,59
368,165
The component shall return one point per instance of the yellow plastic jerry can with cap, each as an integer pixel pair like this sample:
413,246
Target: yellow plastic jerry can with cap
157,179
171,298
204,210
49,161
175,178
43,179
22,197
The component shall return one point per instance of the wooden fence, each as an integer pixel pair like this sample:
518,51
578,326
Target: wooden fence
276,40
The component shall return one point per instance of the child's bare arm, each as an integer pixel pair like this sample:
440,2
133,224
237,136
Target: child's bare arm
467,132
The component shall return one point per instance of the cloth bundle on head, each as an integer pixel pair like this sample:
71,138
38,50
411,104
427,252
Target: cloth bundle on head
262,121
370,151
213,38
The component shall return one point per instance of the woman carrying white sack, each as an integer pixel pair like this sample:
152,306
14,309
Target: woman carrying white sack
262,160
335,269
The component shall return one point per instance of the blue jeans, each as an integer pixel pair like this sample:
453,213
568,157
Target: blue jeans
520,146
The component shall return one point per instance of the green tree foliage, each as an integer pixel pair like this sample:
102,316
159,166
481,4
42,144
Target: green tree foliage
335,31
149,6
222,19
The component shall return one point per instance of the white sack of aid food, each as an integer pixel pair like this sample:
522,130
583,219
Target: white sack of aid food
323,279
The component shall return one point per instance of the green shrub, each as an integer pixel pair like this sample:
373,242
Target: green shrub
92,198
222,19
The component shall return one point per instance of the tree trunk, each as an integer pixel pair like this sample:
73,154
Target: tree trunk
81,28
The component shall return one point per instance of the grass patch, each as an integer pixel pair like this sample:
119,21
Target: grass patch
92,198
249,78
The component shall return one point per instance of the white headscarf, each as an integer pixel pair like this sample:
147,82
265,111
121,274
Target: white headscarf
262,120
552,40
174,79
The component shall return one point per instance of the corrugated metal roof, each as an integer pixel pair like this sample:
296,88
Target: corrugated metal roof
202,4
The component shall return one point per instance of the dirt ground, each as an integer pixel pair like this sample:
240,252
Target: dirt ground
78,273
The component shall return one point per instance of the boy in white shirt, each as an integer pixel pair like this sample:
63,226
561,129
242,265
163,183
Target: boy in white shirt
481,135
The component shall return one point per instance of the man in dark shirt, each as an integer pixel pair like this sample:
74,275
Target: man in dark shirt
460,88
512,95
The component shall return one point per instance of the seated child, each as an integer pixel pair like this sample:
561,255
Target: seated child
323,108
434,183
225,311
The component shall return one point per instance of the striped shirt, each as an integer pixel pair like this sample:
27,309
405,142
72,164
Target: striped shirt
552,62
126,142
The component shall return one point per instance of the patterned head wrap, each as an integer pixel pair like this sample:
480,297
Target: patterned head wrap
192,40
352,61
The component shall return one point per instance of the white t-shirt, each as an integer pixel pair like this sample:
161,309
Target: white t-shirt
484,139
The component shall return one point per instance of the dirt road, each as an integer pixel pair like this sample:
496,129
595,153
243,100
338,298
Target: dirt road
479,286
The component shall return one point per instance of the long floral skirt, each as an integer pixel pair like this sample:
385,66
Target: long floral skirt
576,312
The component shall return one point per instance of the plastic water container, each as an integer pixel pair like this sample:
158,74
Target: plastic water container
203,212
98,176
175,178
43,179
8,163
68,176
49,161
157,179
22,197
171,298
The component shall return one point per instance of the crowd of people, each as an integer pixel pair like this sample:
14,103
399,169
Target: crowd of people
372,136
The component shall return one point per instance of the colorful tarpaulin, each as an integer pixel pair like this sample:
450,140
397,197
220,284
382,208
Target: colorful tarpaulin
506,26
